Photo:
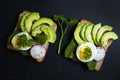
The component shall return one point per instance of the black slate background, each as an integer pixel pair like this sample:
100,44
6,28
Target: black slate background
55,67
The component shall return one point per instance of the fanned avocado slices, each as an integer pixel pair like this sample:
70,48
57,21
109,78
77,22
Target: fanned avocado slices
91,33
30,19
88,33
96,27
49,32
101,31
82,32
22,25
33,24
43,20
77,34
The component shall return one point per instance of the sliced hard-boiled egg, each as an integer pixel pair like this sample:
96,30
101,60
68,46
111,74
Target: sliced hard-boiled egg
16,41
86,52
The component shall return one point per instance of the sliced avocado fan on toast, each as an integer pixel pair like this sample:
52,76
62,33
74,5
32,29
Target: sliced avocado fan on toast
41,31
99,35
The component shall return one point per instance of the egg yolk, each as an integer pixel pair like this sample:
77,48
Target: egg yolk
85,53
15,42
22,41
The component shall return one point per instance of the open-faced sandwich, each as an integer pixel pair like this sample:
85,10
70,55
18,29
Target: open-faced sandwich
90,44
32,35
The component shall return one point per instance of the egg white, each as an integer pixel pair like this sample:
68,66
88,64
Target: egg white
93,49
19,34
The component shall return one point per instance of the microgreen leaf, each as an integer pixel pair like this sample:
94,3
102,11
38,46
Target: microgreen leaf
72,22
61,20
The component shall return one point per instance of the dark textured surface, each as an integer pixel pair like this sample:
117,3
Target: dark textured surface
55,67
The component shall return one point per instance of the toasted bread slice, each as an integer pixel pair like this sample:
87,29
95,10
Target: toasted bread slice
9,46
99,63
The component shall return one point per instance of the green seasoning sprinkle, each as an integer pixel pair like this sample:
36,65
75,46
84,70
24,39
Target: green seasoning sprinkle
41,38
23,41
88,53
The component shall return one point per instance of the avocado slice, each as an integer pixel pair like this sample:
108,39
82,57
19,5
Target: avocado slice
82,32
22,25
94,32
77,34
49,32
43,20
100,32
30,19
107,36
44,28
88,34
52,35
36,31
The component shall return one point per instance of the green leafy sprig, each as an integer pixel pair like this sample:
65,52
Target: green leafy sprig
62,21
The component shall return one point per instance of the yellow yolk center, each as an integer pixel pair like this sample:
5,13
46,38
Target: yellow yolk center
85,53
15,42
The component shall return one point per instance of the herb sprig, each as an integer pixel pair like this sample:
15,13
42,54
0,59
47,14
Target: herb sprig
62,21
